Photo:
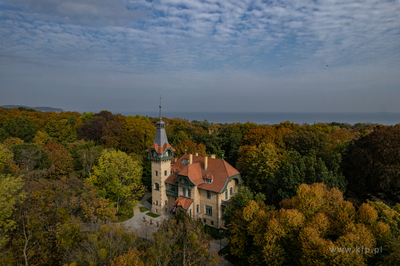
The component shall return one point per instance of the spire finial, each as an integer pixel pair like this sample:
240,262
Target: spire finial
160,107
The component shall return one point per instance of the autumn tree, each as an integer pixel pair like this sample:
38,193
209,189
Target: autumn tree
59,159
101,245
51,217
117,177
190,147
11,194
314,228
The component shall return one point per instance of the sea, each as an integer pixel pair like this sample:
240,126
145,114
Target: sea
384,118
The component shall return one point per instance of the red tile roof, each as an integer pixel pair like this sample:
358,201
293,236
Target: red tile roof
218,170
160,149
183,202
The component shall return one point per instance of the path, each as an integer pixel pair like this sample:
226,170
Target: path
136,224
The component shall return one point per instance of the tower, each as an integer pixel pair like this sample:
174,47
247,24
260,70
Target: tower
160,154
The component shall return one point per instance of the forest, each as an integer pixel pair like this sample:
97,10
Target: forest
321,194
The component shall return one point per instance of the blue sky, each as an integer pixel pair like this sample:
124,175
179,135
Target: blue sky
317,56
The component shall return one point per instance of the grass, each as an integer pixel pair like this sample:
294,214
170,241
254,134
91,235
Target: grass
149,200
143,209
214,232
122,217
152,214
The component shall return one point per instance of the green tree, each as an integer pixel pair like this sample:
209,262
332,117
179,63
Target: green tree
372,165
258,167
11,194
297,170
118,177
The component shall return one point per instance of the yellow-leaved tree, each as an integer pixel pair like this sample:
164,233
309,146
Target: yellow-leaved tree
118,177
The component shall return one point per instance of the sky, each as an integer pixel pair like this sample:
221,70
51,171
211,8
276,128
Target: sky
201,55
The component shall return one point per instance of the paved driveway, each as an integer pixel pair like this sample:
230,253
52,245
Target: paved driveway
146,229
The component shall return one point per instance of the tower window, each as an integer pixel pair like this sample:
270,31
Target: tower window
230,190
156,186
156,173
197,208
165,172
226,194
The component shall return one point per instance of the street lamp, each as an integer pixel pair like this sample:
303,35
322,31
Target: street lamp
220,240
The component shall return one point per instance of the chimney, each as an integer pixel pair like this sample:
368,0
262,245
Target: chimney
212,156
205,163
190,158
197,154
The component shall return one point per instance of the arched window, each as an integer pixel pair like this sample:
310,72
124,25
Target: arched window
156,186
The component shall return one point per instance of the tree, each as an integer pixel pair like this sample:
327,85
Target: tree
19,127
297,170
101,245
240,201
304,141
28,155
314,228
60,159
258,167
10,195
190,147
231,138
372,165
51,219
117,177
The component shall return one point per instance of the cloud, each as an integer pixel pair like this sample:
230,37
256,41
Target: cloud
201,37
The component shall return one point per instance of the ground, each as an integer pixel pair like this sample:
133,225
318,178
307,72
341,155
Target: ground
145,229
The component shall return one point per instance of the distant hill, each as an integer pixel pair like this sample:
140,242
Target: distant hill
40,108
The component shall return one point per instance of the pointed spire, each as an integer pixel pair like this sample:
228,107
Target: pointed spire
161,136
160,107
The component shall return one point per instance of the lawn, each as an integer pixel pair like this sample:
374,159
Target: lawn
124,217
143,209
152,214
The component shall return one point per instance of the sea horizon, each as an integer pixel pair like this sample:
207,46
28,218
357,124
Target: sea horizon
384,118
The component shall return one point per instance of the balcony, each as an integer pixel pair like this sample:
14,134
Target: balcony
172,192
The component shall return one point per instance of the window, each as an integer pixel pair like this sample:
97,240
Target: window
156,186
212,223
156,173
209,210
157,202
226,194
197,208
189,193
165,172
230,191
190,212
205,221
184,192
166,203
208,195
156,210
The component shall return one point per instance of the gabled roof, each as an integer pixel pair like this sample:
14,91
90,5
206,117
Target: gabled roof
218,170
183,202
160,149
